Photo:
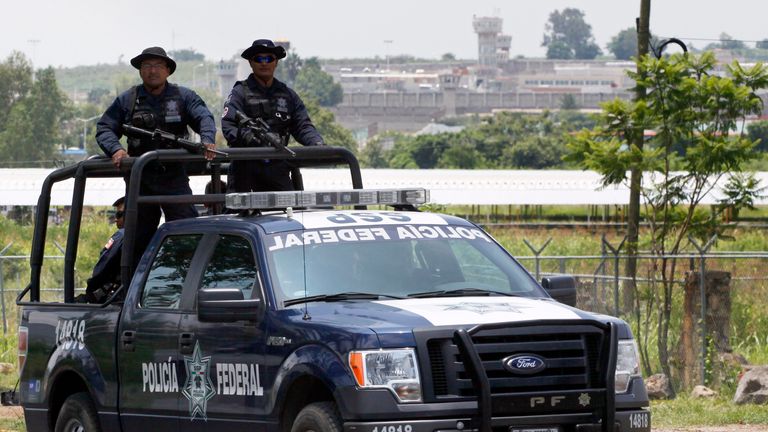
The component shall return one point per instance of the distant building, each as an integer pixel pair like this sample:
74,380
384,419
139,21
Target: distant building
227,73
492,46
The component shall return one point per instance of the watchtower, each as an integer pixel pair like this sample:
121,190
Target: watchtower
487,29
227,73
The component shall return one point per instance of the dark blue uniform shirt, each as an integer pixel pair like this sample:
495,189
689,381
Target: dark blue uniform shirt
299,126
110,127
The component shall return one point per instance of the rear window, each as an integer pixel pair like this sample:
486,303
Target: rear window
392,260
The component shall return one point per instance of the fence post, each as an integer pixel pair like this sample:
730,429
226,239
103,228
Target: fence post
615,252
702,289
536,254
2,287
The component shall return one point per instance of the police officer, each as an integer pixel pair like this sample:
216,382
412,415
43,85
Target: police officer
156,104
261,95
106,274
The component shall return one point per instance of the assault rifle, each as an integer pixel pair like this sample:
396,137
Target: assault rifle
262,132
190,146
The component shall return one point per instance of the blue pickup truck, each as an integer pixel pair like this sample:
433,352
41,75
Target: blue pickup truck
304,311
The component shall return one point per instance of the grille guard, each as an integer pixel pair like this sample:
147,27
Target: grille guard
474,367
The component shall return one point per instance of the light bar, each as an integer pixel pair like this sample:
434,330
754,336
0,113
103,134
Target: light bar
275,200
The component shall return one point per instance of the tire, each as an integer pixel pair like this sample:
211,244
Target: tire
78,415
317,417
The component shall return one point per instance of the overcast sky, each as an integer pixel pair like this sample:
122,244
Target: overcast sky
84,32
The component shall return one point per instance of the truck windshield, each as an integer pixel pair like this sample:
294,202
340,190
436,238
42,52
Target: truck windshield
393,261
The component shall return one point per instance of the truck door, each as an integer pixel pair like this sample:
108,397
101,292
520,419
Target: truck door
223,369
148,339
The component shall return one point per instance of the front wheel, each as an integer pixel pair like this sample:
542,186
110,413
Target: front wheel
317,417
78,415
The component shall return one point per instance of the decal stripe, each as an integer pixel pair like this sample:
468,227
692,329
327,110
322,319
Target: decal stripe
481,310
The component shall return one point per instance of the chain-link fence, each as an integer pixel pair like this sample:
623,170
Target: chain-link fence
735,284
666,300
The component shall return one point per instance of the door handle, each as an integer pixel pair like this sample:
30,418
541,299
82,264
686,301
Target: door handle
185,342
127,339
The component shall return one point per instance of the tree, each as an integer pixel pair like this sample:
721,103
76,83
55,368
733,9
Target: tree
461,154
448,57
289,69
333,133
758,132
763,44
624,45
535,152
99,96
32,129
188,54
728,43
314,83
568,103
569,36
15,83
373,155
693,111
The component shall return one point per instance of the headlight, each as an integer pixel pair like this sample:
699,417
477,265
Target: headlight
627,365
392,369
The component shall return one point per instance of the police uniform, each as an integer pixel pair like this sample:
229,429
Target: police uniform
106,273
282,109
172,111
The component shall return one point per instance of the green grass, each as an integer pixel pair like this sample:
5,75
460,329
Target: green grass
686,411
12,424
749,319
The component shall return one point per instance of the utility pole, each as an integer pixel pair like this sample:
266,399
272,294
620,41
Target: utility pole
635,182
34,43
388,43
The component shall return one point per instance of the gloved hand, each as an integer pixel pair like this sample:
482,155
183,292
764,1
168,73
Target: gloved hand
250,139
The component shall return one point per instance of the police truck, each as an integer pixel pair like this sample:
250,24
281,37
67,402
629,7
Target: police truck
327,311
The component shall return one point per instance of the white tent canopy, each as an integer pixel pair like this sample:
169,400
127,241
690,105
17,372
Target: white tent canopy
503,187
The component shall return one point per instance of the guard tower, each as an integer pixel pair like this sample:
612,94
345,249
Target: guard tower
449,82
285,43
487,29
492,46
227,72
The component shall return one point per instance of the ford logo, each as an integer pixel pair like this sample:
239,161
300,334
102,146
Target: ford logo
526,364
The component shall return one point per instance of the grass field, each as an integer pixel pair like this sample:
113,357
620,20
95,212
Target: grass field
748,324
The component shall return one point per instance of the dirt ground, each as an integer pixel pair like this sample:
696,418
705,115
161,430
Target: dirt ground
9,412
16,412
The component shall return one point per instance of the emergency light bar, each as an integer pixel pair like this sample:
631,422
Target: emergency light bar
272,200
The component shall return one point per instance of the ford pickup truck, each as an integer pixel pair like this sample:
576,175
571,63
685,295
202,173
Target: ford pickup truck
303,311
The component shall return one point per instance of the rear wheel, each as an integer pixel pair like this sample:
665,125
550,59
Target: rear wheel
78,415
318,417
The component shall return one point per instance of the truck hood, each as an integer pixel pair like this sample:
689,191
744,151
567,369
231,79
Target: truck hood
393,320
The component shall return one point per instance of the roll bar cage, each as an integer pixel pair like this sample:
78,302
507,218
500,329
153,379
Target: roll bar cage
102,167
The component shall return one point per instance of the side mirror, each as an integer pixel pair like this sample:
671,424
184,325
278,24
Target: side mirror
561,288
226,305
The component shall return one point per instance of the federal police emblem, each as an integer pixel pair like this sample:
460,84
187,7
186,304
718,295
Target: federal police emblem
282,104
172,111
198,388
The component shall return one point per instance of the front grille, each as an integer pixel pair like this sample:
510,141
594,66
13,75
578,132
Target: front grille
573,361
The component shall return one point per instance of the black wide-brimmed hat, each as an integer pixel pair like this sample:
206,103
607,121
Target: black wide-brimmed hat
153,52
263,46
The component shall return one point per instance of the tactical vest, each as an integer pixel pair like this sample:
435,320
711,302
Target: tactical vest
171,117
274,110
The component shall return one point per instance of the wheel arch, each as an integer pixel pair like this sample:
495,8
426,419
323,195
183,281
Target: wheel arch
65,384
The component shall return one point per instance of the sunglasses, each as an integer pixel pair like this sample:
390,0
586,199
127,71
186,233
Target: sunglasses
119,214
263,59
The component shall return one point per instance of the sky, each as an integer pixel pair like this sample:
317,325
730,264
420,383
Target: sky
86,32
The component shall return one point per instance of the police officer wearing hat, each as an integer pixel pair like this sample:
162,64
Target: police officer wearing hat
156,104
263,96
